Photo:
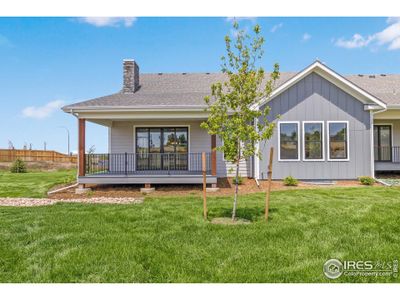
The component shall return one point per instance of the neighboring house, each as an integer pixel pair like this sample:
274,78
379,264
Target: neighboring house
329,127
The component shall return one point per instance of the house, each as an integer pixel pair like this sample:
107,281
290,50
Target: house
329,127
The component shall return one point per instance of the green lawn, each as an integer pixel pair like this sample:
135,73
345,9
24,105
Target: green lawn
32,184
166,240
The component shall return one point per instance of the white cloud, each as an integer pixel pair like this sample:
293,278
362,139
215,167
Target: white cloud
390,37
357,41
109,21
276,27
42,112
237,19
306,37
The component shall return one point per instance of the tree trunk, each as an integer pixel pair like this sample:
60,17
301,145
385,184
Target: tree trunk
236,185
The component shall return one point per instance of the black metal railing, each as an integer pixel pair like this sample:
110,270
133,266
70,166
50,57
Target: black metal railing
146,163
387,154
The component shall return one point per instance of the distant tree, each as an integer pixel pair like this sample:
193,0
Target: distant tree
231,116
10,145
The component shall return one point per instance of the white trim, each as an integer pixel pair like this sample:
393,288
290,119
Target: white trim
161,126
329,75
371,121
279,140
322,141
347,142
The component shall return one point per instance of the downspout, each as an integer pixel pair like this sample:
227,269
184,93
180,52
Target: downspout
373,113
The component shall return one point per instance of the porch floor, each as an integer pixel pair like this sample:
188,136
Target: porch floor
147,176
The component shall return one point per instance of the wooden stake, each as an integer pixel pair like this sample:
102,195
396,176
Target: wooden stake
203,159
271,156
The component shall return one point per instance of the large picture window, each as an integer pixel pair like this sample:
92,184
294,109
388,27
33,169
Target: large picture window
313,140
338,135
162,148
288,141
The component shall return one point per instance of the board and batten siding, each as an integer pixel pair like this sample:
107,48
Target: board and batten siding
121,140
315,99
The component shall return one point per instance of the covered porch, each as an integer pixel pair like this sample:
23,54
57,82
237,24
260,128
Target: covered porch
386,136
144,151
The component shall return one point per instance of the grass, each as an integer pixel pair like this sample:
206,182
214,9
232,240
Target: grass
32,184
165,239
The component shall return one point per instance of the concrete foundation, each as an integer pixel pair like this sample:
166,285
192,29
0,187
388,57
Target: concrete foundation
212,189
147,190
81,189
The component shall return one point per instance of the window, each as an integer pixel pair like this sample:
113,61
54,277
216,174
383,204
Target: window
383,142
338,143
288,136
313,140
162,148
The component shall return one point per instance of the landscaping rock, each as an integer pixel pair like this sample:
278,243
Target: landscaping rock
45,201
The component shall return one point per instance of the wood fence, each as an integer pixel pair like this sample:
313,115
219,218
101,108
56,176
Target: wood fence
8,155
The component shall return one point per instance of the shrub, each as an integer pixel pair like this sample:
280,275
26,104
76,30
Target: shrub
18,166
290,181
366,180
240,180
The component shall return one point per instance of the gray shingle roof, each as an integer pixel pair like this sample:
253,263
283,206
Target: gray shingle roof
189,90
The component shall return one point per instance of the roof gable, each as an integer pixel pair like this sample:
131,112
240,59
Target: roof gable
332,77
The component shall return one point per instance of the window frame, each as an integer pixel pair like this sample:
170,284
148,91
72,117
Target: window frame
322,141
347,141
391,141
298,140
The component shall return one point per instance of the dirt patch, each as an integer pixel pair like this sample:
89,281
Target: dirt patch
225,184
228,221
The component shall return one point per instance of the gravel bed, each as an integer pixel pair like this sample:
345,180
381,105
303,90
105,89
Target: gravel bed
46,201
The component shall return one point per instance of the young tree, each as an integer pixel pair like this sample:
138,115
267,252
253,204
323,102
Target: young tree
231,105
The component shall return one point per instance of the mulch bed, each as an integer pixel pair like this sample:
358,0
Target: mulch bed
226,189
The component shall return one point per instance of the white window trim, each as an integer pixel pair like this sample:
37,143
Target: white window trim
279,140
348,141
391,138
322,142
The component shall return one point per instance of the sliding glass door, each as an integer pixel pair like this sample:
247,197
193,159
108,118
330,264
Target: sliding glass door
162,148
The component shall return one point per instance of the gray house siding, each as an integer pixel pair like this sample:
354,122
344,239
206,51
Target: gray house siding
316,99
121,140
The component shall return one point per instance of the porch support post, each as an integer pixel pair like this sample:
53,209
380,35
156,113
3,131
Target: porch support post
81,147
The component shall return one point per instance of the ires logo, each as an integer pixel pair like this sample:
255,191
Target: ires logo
334,268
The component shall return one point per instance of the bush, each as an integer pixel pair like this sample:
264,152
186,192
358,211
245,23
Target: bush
290,181
18,166
240,180
366,180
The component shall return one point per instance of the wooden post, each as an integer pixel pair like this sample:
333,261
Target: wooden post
204,169
267,196
81,147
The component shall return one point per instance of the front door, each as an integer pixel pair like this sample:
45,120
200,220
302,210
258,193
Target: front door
162,148
383,142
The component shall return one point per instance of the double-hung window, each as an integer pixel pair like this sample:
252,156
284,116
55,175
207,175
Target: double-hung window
313,140
338,140
288,135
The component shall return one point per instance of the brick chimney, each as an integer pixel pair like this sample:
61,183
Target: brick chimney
131,77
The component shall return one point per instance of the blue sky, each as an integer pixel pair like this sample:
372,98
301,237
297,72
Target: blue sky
47,62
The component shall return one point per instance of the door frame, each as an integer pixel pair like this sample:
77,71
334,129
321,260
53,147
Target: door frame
391,140
160,126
